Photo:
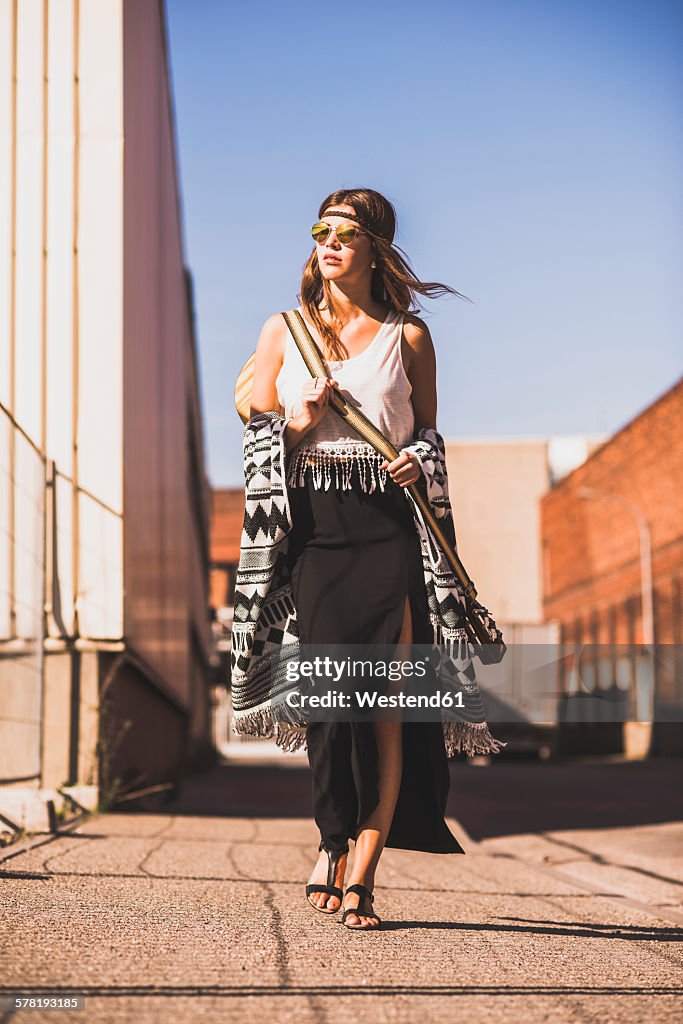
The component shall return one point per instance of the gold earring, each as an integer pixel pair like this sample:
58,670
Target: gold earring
373,264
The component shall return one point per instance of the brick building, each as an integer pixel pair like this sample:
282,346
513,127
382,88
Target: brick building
592,558
226,518
227,515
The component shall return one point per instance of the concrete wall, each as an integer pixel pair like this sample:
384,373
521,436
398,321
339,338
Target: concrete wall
495,487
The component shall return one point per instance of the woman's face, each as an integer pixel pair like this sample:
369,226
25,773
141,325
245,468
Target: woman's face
339,261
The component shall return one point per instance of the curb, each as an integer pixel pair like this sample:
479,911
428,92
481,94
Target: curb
42,838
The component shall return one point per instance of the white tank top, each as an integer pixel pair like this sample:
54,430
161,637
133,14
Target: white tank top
375,381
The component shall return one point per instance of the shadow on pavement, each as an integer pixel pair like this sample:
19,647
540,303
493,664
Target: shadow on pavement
497,799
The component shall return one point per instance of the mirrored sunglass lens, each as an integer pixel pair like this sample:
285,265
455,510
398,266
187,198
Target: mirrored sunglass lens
320,232
346,233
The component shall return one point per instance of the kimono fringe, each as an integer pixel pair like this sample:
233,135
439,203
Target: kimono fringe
466,737
321,461
291,737
287,729
470,738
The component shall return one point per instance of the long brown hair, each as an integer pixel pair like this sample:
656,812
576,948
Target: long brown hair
393,280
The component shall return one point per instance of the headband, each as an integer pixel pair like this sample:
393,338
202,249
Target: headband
346,216
350,216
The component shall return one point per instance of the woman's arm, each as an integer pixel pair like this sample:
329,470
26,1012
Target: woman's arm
419,360
267,365
268,360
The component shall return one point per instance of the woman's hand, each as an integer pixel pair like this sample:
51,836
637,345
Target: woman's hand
315,398
404,470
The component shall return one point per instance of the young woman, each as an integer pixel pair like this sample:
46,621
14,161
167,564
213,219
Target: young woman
354,554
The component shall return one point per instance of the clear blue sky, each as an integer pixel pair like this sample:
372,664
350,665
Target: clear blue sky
534,153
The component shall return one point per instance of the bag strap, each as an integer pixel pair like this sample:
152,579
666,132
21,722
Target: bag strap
360,422
341,405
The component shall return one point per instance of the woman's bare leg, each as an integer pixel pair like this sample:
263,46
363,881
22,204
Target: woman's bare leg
372,833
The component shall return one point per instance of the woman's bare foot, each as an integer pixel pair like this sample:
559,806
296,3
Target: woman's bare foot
319,876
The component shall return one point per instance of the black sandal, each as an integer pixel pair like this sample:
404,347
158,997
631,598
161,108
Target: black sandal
332,890
362,890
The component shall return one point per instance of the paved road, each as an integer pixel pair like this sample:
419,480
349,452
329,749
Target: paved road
568,906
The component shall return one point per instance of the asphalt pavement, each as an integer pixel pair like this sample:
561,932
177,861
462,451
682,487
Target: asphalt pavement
567,906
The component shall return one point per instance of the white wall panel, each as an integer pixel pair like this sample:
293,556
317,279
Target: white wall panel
29,498
29,217
100,252
6,173
60,234
6,497
100,591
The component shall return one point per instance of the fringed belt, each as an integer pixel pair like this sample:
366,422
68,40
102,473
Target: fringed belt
324,457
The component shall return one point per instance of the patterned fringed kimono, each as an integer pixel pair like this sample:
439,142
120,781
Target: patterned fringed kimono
265,632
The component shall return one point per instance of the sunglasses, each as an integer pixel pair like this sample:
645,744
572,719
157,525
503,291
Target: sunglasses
345,232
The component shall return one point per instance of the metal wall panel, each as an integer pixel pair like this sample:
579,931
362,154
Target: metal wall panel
97,361
6,192
161,555
28,210
22,573
100,253
60,234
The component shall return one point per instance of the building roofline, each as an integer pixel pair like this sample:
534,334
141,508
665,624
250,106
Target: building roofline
519,438
621,430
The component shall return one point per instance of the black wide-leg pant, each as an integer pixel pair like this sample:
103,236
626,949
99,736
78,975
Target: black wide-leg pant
354,557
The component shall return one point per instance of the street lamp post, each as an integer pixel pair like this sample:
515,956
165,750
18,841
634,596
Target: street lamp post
646,595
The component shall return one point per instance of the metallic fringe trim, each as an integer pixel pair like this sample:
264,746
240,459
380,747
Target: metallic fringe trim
320,460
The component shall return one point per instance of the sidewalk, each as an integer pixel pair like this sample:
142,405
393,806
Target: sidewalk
201,915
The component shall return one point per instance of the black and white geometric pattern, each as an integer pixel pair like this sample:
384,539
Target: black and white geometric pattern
265,630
